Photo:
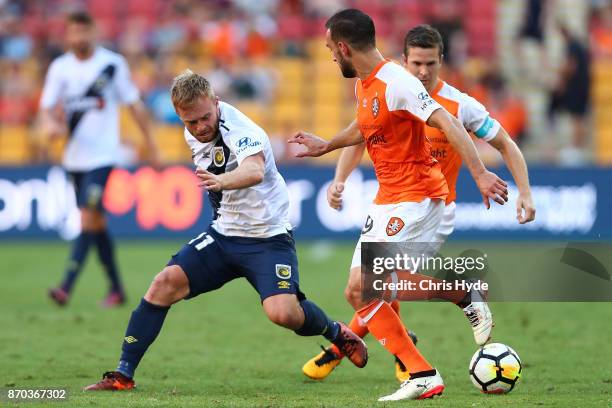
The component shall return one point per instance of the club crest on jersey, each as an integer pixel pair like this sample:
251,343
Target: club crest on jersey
218,156
375,106
283,271
394,226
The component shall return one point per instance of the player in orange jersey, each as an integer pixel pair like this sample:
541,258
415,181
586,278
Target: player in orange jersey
423,52
393,107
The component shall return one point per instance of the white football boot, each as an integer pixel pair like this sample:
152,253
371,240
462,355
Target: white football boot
417,388
479,316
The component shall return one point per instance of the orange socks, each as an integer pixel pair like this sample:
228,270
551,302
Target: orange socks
386,326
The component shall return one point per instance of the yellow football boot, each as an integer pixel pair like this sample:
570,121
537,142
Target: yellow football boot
401,373
319,367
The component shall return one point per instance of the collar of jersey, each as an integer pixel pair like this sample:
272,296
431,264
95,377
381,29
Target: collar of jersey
437,88
366,82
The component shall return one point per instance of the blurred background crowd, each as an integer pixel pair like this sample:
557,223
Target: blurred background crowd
543,68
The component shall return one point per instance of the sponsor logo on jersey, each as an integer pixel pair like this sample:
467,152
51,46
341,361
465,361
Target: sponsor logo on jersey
218,156
394,226
283,271
284,284
426,104
245,143
438,153
375,106
377,139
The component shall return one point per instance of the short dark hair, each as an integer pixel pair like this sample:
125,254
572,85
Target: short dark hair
354,27
80,17
423,36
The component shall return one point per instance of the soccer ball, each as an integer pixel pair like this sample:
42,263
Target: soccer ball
495,369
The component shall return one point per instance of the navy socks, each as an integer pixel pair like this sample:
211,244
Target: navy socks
144,326
106,254
317,323
80,247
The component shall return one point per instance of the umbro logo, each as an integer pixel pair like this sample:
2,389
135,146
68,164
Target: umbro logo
130,339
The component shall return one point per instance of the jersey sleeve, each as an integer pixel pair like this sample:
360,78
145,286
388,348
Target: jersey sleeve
476,119
244,143
127,91
52,90
407,93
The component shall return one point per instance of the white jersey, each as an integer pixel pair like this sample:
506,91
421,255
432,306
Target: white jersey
260,211
471,113
90,92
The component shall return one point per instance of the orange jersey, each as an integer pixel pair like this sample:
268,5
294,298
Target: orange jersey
392,109
474,118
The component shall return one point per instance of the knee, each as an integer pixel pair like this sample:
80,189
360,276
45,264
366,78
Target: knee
284,318
168,286
352,293
284,311
92,220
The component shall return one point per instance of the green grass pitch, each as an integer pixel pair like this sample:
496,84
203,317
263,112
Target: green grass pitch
220,350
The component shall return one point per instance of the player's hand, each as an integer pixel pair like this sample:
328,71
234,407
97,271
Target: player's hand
209,181
525,209
315,146
55,129
492,187
334,194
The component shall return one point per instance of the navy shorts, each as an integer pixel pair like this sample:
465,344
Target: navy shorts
211,260
89,187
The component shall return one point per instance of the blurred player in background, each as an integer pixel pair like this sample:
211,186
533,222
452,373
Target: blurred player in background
250,236
423,55
393,107
82,93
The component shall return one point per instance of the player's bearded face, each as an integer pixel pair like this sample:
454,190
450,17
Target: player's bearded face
202,118
346,67
80,38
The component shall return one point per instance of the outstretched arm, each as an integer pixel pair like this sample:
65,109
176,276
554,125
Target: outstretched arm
490,186
525,209
316,146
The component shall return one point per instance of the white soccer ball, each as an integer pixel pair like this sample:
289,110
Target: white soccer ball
495,369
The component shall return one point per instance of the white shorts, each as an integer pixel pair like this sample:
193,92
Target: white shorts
402,222
447,225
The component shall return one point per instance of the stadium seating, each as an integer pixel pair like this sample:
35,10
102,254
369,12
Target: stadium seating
602,103
14,145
